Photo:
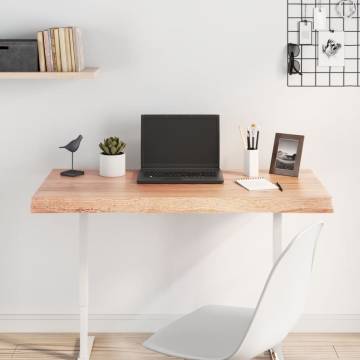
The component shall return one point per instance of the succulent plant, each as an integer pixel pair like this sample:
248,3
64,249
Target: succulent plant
112,146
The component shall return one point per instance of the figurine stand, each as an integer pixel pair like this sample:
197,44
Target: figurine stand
72,172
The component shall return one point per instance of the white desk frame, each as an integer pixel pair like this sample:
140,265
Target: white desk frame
86,341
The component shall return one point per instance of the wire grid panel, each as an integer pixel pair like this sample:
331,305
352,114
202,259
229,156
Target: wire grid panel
312,74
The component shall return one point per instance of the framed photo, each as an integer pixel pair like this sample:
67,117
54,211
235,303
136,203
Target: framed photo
331,48
286,154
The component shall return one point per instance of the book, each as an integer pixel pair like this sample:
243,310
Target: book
78,49
256,183
53,49
40,41
48,51
63,56
72,54
61,50
68,52
57,49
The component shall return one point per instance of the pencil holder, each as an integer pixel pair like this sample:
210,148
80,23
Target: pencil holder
251,163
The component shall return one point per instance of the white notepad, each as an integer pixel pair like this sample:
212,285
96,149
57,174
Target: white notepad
256,183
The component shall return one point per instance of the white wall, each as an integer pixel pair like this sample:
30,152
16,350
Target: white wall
188,56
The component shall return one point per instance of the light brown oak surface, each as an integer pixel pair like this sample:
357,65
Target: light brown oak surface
92,193
128,346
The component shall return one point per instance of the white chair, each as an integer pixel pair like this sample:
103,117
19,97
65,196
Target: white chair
221,332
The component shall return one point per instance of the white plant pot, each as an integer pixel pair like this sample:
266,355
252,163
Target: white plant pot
112,165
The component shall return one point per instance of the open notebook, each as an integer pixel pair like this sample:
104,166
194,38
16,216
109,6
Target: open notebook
256,183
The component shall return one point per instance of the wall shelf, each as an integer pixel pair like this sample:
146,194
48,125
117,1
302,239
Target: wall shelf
87,73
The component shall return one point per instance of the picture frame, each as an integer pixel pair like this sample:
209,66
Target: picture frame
286,155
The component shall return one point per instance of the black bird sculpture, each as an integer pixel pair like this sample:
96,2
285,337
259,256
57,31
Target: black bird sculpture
72,146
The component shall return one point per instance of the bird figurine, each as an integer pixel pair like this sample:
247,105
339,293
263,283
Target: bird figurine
72,146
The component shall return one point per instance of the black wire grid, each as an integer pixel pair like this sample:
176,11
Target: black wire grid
312,74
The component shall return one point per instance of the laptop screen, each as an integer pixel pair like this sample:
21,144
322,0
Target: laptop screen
180,141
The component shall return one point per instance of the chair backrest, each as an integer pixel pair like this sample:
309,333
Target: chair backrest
283,298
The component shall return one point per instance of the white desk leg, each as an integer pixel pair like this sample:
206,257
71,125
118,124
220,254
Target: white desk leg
277,236
86,342
276,352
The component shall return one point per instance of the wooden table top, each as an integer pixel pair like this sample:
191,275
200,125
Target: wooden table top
92,193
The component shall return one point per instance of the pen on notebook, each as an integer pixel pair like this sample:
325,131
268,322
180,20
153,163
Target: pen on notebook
280,187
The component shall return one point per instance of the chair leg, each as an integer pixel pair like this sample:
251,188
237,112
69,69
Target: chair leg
276,353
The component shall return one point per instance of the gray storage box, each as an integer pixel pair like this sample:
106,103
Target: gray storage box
19,55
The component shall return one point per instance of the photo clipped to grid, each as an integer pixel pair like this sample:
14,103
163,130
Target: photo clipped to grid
323,43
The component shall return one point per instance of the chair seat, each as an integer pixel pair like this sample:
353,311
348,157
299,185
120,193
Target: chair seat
210,333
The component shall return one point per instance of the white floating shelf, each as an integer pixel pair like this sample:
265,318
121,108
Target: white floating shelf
87,73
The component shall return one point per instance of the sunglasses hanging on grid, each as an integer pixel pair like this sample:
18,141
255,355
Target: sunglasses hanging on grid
293,64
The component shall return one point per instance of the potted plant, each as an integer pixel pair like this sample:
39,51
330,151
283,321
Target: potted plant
112,157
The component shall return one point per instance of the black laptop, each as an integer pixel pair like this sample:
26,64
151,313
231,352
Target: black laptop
180,149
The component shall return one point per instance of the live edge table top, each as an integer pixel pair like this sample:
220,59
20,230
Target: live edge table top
92,193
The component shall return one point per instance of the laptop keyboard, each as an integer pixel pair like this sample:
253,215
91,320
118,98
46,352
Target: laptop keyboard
179,174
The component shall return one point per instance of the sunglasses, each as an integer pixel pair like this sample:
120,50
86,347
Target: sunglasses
293,65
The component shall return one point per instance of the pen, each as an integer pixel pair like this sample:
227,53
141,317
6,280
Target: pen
257,140
252,139
248,140
253,132
280,187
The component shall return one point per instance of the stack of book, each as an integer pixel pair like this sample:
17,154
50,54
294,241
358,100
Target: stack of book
60,50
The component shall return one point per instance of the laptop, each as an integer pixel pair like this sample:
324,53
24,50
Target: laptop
180,149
